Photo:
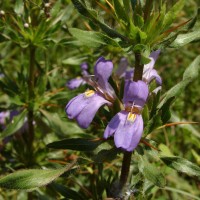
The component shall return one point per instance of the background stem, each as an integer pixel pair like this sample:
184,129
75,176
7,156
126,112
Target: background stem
31,81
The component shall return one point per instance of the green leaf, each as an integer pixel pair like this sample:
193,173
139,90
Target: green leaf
32,178
152,124
171,15
17,122
151,173
106,155
181,165
184,39
59,125
91,38
191,73
66,192
120,11
165,110
126,4
81,7
74,60
78,144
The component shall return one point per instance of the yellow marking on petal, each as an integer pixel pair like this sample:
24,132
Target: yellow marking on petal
131,117
78,77
89,93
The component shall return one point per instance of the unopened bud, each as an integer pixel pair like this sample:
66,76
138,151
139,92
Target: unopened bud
26,25
47,5
2,12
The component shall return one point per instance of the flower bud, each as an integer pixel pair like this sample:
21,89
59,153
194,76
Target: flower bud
26,25
2,13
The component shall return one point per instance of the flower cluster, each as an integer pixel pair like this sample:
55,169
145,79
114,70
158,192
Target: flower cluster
127,125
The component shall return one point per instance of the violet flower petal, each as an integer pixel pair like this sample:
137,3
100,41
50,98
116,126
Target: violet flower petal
76,105
153,56
85,117
151,74
128,134
156,90
84,66
102,71
135,92
113,124
3,116
121,70
75,83
129,74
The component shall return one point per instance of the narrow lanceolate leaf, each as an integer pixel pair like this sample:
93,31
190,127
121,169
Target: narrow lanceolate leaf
78,144
17,122
32,178
152,173
182,165
184,39
120,11
190,74
81,7
172,14
91,38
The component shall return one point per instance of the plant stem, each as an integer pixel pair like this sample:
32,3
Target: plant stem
127,155
138,67
125,168
31,97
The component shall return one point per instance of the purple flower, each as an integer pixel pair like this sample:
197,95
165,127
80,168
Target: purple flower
75,83
121,70
149,74
84,106
127,125
3,116
78,81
